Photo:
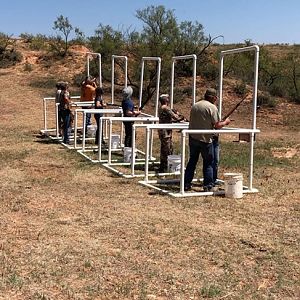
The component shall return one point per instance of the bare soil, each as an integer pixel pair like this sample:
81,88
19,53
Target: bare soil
73,230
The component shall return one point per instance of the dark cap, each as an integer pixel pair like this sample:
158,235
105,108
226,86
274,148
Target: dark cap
164,97
210,93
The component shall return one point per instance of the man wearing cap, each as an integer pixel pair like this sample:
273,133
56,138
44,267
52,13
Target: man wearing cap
166,115
204,115
88,88
128,111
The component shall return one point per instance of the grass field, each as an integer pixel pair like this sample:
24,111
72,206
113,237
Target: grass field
70,229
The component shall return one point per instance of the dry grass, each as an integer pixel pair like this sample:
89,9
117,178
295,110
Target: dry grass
73,230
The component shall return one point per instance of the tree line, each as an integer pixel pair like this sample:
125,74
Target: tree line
163,36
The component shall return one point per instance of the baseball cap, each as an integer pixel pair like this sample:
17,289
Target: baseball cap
211,92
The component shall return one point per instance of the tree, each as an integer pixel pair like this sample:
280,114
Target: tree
160,29
79,36
106,41
63,25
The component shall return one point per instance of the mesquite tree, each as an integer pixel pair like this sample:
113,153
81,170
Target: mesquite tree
63,25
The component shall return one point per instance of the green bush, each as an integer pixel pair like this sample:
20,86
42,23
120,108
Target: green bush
266,100
28,67
10,58
295,96
44,83
278,89
240,89
209,71
36,42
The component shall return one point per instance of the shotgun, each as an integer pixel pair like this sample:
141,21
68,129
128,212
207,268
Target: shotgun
182,117
113,105
142,106
234,108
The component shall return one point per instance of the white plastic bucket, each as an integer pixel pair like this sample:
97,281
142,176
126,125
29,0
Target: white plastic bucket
115,140
233,185
91,131
174,163
127,154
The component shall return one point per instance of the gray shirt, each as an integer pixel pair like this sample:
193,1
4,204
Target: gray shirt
204,115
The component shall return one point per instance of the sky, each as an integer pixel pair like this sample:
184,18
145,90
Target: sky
261,21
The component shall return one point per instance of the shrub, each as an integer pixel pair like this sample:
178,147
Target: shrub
28,67
266,100
8,54
240,89
278,89
44,83
295,96
209,71
10,58
36,42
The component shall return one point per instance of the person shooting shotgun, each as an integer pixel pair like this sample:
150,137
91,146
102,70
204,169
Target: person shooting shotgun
204,115
166,115
128,111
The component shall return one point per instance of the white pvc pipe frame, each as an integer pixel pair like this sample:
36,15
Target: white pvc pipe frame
114,57
73,104
91,111
254,101
45,112
88,54
122,119
184,133
225,130
158,59
220,131
174,59
149,132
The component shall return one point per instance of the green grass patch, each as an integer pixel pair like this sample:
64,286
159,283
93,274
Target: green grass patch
238,154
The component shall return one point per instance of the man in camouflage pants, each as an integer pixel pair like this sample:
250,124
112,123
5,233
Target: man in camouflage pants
166,116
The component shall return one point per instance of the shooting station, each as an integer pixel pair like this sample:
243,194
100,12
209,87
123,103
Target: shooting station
50,107
150,129
112,109
119,165
175,187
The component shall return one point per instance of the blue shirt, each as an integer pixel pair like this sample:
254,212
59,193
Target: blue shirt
127,104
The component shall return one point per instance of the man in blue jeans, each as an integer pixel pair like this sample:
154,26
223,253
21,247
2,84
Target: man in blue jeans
204,115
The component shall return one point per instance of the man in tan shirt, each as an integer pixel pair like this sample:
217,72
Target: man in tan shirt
204,115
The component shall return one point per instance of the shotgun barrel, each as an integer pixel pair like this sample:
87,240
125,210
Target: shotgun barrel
234,108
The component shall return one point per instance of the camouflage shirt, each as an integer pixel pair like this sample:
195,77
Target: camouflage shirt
166,116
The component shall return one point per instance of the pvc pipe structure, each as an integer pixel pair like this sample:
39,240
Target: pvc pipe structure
114,57
149,129
121,119
175,58
91,111
220,131
158,59
184,133
88,54
254,101
45,113
133,150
